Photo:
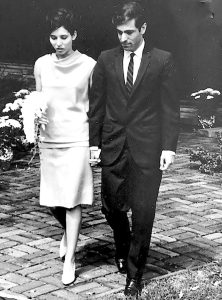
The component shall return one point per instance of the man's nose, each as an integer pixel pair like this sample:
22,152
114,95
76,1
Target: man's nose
123,37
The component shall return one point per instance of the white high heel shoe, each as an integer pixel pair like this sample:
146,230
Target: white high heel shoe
63,246
68,275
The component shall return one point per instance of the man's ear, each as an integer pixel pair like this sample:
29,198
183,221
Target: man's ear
143,28
74,36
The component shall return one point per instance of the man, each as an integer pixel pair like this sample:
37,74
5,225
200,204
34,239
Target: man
133,118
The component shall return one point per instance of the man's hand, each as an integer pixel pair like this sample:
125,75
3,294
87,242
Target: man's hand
94,158
166,159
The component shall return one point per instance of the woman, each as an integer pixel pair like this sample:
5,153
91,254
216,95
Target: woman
66,176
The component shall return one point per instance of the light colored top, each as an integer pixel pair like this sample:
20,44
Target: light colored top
65,83
136,59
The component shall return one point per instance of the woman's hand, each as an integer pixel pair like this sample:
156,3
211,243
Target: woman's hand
43,120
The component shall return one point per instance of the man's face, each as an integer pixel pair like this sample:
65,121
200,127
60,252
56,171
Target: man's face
130,36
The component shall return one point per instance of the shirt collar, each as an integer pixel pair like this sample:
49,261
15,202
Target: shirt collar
138,52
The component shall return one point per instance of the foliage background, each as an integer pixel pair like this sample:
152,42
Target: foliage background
184,27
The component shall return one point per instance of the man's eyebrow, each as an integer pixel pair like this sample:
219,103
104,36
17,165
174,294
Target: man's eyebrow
125,31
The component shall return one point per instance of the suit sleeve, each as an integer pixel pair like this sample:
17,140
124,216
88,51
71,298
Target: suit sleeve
97,103
170,106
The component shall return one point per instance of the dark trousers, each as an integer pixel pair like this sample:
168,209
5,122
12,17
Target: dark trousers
125,186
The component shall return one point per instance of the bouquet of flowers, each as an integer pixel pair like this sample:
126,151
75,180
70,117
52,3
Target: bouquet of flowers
206,106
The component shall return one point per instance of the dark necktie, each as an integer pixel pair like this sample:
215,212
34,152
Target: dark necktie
129,80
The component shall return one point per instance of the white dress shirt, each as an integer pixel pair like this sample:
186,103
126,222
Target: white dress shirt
136,59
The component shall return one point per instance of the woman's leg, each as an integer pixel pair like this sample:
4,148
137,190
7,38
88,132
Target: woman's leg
73,224
59,214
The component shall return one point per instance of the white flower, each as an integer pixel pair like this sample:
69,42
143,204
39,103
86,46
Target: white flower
19,102
14,106
6,154
6,122
215,92
7,107
13,123
3,121
21,92
209,91
4,118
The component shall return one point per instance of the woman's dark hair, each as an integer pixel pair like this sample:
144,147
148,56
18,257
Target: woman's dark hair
61,17
127,11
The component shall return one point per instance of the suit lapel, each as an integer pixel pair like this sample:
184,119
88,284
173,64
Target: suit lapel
145,62
119,69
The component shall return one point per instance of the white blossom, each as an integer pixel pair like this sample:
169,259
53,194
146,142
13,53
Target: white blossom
3,121
13,106
7,107
210,97
207,91
19,102
8,154
6,122
14,123
21,92
4,118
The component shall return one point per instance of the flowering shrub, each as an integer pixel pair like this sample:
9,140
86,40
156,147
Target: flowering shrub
19,126
12,137
207,162
206,105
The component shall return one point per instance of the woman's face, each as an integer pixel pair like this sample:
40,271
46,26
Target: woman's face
61,41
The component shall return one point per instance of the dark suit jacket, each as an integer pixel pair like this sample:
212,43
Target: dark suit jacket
148,120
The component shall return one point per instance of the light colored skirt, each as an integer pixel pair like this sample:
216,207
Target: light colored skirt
66,177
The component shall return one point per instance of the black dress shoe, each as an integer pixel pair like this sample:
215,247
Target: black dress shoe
121,265
133,288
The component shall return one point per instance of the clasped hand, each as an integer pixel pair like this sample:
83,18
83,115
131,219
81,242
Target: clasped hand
94,156
43,120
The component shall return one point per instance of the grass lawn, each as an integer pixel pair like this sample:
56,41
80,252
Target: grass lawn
201,283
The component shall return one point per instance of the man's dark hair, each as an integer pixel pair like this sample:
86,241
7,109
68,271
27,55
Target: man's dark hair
61,17
127,11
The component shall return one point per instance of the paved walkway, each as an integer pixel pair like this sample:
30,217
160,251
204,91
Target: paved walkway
187,233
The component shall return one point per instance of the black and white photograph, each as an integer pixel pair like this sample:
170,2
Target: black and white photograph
111,149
